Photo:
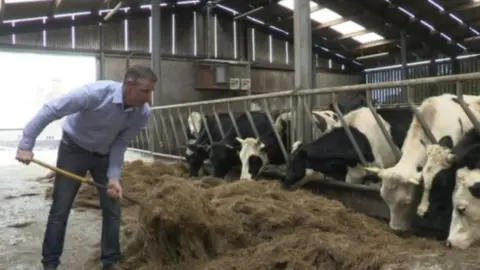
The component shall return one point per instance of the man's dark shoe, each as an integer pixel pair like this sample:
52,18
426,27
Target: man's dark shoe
50,268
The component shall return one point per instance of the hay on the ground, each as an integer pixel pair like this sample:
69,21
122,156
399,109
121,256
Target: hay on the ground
210,224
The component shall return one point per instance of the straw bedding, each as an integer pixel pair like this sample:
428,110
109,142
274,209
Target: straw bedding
208,224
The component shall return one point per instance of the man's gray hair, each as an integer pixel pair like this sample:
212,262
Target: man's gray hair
137,72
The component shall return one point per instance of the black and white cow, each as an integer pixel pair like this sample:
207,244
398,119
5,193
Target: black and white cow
465,224
224,154
445,118
196,151
256,153
334,155
446,166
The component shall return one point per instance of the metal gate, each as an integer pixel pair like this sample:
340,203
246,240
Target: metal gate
167,129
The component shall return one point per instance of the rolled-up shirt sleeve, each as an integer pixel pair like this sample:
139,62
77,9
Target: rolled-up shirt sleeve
119,146
70,103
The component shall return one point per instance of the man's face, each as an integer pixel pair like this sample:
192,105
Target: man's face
139,93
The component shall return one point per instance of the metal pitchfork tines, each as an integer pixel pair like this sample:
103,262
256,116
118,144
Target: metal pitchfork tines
83,180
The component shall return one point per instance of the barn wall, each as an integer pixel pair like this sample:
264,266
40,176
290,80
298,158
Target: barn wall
178,79
421,70
183,34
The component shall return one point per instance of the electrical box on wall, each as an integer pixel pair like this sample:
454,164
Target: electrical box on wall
221,75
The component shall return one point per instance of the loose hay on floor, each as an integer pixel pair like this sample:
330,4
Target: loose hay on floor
214,225
210,224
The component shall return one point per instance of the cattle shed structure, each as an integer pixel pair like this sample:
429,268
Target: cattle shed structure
353,41
221,60
205,50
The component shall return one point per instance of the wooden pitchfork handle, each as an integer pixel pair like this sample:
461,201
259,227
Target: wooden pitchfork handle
81,179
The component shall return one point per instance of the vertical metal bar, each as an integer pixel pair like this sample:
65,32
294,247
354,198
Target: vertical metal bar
403,57
272,124
174,129
140,138
219,124
232,118
157,133
180,118
465,108
303,60
308,112
137,145
202,114
293,120
250,120
147,136
419,116
165,133
209,28
389,138
156,60
347,130
102,51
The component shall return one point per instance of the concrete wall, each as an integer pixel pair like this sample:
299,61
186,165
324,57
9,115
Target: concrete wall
178,80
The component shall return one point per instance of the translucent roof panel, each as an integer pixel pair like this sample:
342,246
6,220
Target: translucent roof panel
347,27
325,15
368,37
290,3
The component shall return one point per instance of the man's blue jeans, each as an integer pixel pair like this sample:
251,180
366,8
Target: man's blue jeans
78,160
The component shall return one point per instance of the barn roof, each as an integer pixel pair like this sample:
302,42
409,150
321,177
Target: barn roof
359,32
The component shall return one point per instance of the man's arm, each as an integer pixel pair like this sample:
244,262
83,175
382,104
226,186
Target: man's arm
119,146
74,101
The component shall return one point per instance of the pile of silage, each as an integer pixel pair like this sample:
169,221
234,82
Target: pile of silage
87,196
209,224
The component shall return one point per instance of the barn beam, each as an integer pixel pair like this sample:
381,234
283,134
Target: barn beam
354,34
349,61
66,22
264,5
339,21
373,44
417,20
465,6
2,10
304,74
424,34
290,17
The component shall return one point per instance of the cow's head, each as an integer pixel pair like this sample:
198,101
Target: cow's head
466,209
194,123
437,176
324,122
296,164
253,156
195,154
400,195
223,156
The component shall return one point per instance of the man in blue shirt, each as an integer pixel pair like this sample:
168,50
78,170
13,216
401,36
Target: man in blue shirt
102,118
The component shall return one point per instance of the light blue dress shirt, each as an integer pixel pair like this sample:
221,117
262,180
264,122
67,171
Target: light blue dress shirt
96,120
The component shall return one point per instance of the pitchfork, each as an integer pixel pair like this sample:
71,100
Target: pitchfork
82,179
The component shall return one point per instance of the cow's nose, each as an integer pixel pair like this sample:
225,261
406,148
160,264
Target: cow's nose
448,244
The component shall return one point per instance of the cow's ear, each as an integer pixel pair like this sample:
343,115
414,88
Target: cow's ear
239,140
446,141
475,190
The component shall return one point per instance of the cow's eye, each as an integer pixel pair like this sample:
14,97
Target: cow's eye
461,209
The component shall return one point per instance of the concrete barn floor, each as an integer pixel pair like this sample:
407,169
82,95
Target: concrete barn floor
24,212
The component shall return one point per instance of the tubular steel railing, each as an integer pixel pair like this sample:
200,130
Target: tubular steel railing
164,135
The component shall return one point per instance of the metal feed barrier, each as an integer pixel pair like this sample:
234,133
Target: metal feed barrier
167,130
